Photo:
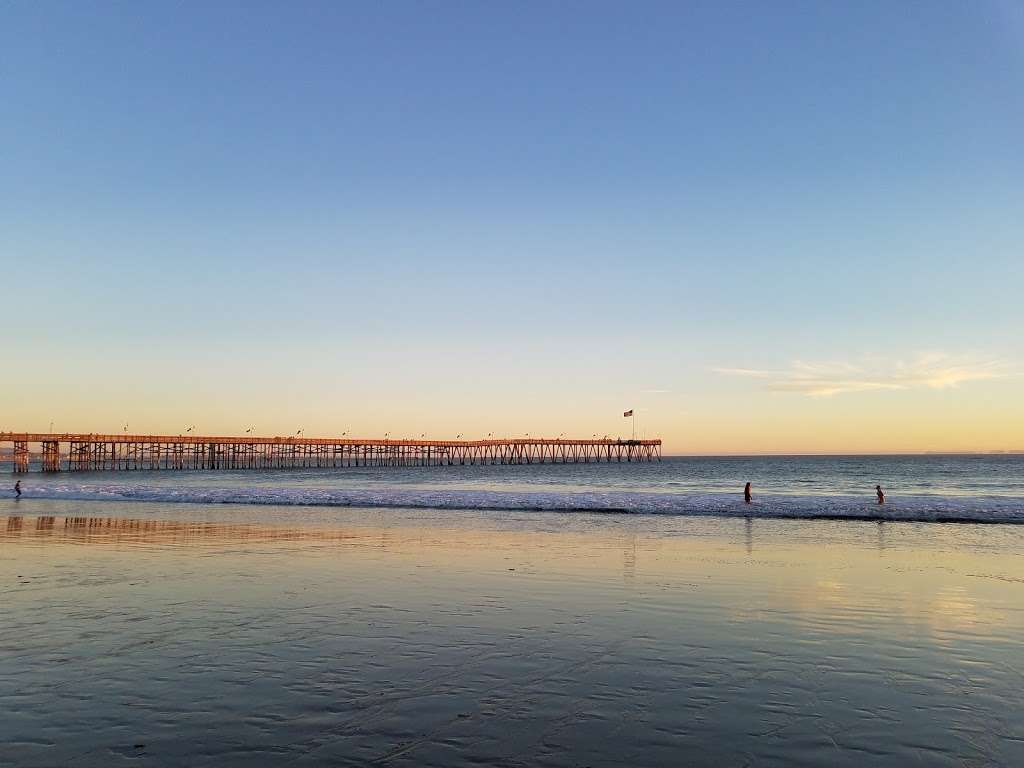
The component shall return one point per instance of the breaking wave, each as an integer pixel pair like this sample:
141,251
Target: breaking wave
923,508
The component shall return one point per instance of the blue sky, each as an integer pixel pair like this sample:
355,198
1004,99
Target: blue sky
533,214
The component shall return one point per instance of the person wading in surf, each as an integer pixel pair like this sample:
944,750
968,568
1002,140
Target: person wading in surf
746,493
880,494
17,490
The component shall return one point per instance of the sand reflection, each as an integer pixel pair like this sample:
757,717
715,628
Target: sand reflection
828,585
115,530
459,645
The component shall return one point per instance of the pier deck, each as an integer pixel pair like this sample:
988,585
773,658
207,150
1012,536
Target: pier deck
78,452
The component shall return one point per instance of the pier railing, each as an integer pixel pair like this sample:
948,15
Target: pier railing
77,452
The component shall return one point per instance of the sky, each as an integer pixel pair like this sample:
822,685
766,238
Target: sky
767,227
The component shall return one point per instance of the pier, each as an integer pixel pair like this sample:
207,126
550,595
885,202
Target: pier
83,452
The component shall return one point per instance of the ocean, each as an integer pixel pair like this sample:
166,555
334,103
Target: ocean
941,488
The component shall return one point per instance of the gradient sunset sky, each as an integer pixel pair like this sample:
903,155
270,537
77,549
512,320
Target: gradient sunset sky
787,227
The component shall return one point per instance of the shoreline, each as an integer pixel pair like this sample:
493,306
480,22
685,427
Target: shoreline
1004,510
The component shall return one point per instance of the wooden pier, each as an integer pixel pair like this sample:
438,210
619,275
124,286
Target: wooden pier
79,452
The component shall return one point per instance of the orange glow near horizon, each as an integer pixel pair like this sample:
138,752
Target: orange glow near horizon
697,411
701,423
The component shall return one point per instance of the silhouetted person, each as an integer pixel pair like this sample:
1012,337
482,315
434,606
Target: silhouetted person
880,494
17,490
746,493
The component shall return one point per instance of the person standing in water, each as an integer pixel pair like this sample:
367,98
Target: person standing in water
746,493
17,490
880,494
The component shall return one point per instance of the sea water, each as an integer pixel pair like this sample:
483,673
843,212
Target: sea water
951,488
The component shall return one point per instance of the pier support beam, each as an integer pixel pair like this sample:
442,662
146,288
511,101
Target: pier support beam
21,456
51,456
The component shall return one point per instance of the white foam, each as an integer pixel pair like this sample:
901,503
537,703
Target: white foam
983,509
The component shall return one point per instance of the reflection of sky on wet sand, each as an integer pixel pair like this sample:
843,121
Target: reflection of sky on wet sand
442,641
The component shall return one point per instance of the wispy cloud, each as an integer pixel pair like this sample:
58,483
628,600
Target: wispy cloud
825,379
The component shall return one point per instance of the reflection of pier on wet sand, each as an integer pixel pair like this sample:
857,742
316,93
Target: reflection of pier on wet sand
119,452
115,530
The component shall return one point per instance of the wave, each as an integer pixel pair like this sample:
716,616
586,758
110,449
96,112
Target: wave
962,509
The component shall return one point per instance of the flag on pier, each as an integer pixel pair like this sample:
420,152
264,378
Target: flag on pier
628,413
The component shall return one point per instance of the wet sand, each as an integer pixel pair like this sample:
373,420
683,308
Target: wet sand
169,636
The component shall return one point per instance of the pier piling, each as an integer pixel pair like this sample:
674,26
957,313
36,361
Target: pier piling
85,452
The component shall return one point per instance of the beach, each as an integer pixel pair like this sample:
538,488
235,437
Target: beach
472,385
180,633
